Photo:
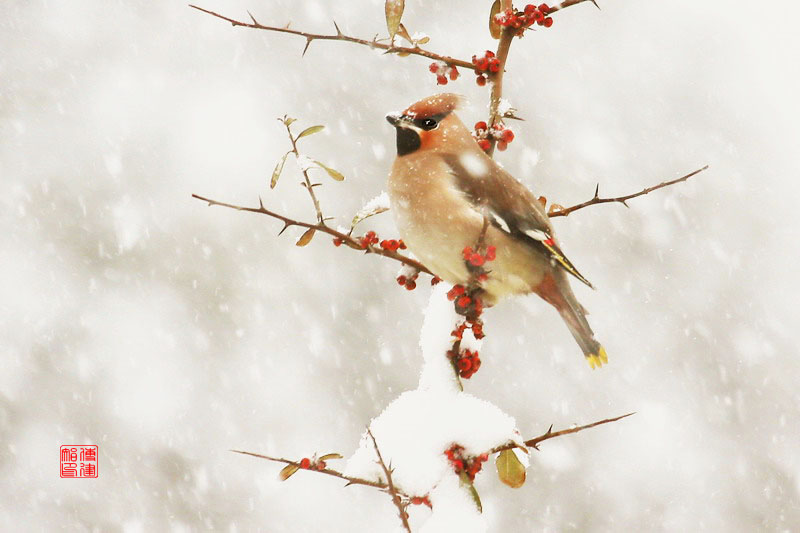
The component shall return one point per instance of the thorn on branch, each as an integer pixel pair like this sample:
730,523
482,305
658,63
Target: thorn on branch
338,31
253,19
308,43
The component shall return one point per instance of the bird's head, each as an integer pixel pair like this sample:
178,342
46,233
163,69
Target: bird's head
429,124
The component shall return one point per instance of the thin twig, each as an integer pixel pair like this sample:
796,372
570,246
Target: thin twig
339,36
327,471
392,489
345,238
550,434
621,199
506,37
308,186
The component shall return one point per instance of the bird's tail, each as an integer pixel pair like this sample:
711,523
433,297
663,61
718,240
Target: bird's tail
574,316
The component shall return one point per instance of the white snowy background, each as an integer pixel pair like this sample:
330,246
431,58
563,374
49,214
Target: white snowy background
167,332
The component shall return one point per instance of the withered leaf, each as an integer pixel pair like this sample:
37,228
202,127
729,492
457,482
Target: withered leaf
328,456
277,172
335,174
287,472
466,482
306,237
310,131
509,469
494,28
394,12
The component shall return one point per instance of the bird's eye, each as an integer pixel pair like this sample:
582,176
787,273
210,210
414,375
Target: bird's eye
428,123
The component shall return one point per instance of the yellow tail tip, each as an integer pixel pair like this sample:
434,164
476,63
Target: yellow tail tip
597,360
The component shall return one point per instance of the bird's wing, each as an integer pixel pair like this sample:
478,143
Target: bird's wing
510,206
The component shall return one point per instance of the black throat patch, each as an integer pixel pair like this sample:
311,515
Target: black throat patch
407,141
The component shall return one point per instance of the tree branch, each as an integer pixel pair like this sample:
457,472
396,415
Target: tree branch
621,199
345,238
339,36
327,471
550,434
308,186
392,489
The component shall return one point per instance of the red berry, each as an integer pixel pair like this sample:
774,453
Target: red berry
435,280
457,290
411,285
491,253
401,244
502,145
548,22
484,144
507,136
458,464
539,17
489,53
434,67
464,365
494,65
529,9
441,80
481,81
464,301
466,252
483,457
453,73
480,125
482,64
401,280
476,260
337,241
321,465
544,8
476,364
305,462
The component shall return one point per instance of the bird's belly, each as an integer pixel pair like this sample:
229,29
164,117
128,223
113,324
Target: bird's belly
438,238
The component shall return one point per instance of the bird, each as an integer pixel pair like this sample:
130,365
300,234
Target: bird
443,189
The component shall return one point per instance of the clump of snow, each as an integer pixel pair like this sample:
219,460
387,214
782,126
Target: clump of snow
414,431
305,162
453,510
503,107
380,202
435,341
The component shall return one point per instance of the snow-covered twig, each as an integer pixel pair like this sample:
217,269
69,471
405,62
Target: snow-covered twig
620,199
392,489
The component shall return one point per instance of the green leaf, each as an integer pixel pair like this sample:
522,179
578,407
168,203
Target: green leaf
310,131
509,469
329,456
277,172
306,237
335,174
494,28
289,121
287,472
394,12
466,482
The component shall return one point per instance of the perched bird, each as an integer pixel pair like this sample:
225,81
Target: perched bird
443,187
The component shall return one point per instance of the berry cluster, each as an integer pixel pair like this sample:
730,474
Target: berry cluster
484,66
467,303
393,244
464,463
442,71
409,282
316,464
520,20
420,500
483,134
467,362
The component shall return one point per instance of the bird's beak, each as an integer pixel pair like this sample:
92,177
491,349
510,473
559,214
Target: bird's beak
394,119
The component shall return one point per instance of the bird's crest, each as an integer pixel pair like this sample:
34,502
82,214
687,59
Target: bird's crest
438,104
